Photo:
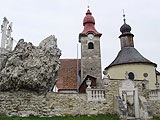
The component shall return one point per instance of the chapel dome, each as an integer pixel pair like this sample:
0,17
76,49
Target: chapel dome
125,28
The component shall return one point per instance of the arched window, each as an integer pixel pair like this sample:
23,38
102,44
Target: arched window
90,45
131,76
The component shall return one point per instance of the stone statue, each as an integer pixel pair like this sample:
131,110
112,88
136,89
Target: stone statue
3,31
126,75
9,41
6,40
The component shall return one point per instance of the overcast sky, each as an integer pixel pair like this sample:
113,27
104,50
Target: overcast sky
34,20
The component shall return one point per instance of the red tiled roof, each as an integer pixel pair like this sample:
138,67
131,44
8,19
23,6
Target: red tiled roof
89,23
67,74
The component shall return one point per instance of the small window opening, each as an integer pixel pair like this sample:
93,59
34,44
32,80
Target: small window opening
90,45
131,76
143,86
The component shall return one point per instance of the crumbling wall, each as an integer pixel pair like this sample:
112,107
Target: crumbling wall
29,67
3,57
155,105
25,103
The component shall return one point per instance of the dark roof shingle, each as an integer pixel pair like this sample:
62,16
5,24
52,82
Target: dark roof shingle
129,55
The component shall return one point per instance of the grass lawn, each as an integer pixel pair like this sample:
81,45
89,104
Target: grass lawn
99,117
156,118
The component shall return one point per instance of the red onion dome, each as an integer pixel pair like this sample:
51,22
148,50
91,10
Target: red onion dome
88,18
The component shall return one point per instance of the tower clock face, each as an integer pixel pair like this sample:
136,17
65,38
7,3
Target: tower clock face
90,36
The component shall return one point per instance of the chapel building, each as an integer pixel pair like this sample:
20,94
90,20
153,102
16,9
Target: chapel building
130,61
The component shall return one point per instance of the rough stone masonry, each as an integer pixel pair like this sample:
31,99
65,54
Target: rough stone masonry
29,67
25,103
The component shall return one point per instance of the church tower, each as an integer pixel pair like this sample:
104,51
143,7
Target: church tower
90,50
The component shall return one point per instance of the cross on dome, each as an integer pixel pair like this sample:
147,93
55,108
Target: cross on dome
125,28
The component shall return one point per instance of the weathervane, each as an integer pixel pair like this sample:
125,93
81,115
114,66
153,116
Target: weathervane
124,16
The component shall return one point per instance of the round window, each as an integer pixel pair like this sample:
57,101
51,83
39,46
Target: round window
145,75
131,76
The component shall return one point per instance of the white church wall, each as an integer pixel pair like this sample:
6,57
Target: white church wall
118,72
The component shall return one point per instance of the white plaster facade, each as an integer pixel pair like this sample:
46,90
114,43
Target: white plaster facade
118,71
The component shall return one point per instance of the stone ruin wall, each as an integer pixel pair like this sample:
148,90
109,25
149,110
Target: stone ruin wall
25,103
30,67
155,107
